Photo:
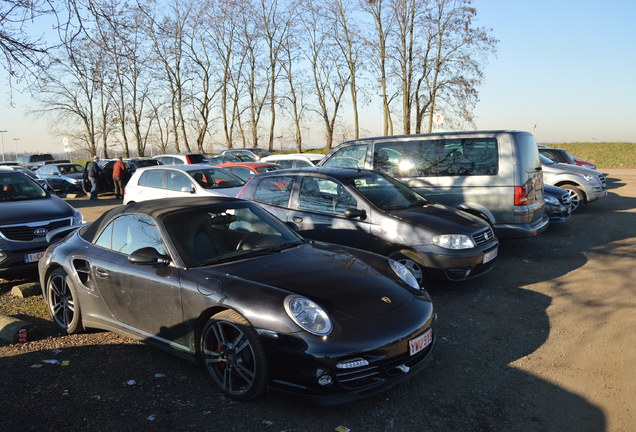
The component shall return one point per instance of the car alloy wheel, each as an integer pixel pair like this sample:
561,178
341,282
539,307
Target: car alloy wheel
233,356
575,194
62,302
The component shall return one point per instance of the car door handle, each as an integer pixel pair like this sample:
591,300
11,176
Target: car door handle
297,219
101,272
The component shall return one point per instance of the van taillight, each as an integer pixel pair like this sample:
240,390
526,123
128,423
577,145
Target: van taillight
521,196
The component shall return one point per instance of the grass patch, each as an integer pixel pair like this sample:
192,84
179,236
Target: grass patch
603,154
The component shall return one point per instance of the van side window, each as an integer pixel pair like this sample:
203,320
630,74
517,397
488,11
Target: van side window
353,156
274,190
444,157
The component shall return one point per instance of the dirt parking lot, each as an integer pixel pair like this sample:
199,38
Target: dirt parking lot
545,342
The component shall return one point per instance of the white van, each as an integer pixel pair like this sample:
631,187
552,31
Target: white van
496,175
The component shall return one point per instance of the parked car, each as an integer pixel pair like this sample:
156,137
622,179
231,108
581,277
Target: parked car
558,204
294,160
194,277
63,177
28,213
247,170
18,168
56,161
106,183
372,211
228,158
252,153
181,159
9,163
173,181
34,161
559,155
584,185
495,175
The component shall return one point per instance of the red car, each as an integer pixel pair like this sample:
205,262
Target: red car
247,170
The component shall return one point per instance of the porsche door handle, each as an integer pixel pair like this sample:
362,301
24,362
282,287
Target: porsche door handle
297,219
100,272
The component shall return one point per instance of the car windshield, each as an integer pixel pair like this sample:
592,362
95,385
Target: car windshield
267,168
216,178
71,169
141,163
546,161
19,187
216,234
385,192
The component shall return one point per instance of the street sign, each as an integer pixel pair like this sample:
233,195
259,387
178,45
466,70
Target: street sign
438,119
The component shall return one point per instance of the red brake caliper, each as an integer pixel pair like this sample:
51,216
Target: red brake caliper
219,347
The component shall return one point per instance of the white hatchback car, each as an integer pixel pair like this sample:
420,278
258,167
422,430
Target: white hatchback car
170,181
294,160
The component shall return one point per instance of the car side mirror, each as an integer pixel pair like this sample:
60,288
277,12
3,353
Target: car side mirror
148,256
355,214
190,189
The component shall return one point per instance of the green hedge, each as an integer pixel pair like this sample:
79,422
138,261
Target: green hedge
603,154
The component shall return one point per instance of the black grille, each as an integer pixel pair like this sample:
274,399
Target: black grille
484,237
603,180
27,232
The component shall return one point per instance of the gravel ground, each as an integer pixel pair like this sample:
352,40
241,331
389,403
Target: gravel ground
545,342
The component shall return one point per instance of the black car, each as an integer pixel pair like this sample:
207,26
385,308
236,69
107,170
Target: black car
558,204
106,183
28,213
372,211
63,177
223,281
34,161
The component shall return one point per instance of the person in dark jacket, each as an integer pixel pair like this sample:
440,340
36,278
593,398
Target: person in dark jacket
93,176
119,171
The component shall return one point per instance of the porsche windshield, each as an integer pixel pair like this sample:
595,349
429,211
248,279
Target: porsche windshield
386,193
206,236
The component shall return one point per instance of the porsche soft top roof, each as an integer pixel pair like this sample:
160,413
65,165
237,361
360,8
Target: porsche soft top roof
156,209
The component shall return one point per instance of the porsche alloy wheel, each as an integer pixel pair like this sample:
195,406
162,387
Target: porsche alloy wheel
233,356
62,302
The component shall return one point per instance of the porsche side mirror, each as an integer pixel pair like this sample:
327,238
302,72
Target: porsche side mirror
147,256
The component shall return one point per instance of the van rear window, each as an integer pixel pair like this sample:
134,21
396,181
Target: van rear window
442,157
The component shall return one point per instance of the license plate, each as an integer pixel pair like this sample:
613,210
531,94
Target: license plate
34,257
489,256
422,341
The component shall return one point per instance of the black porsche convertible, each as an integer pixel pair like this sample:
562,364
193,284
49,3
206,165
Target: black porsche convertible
223,282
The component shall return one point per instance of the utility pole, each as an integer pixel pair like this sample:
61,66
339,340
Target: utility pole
2,132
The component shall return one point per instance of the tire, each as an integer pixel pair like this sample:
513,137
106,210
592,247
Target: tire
415,268
578,198
233,356
63,303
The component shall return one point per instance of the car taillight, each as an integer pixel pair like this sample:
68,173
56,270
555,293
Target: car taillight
188,159
521,196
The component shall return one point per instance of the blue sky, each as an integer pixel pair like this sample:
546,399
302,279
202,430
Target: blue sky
566,66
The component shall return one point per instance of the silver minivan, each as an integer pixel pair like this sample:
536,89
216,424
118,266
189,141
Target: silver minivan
496,175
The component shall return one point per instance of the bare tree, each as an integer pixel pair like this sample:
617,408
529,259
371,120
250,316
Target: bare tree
452,70
346,37
378,47
331,77
295,97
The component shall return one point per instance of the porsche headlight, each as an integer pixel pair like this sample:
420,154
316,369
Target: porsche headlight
404,274
453,241
308,315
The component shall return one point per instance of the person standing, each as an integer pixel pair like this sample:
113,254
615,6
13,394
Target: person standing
119,171
93,176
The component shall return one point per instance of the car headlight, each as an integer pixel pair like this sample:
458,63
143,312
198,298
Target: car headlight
590,178
404,274
551,200
78,218
453,241
308,315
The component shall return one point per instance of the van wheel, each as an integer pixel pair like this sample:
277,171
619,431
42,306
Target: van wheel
576,194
